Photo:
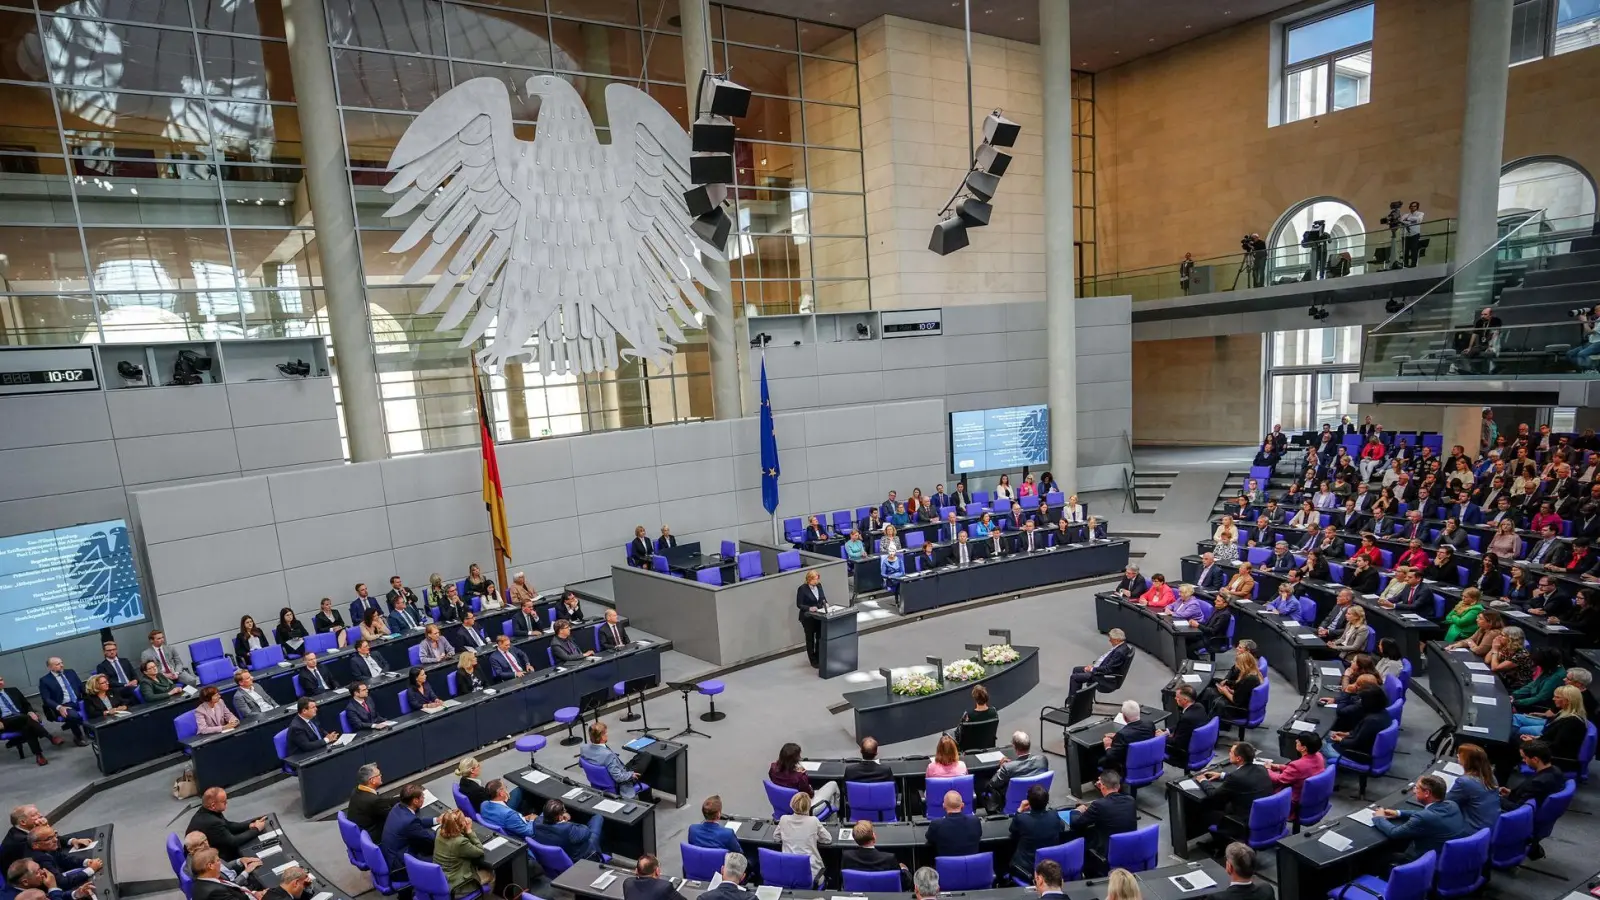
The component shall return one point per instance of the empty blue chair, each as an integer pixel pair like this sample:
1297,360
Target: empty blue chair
1147,760
344,723
975,508
350,834
1395,709
1408,882
428,881
789,870
1256,713
414,653
1017,789
1068,856
862,512
981,497
405,703
567,715
1513,836
1316,798
1382,756
1135,851
750,565
1586,752
789,560
378,867
327,642
1393,688
874,801
1307,614
730,549
1056,499
214,670
794,530
265,657
185,725
280,744
915,539
1202,746
1258,555
658,563
709,576
1405,673
553,860
175,855
1336,572
973,872
938,787
842,523
860,882
1546,814
1269,820
703,863
200,651
1461,865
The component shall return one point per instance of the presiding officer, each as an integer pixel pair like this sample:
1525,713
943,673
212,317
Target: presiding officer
807,597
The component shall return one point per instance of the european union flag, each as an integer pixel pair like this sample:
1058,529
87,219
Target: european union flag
769,447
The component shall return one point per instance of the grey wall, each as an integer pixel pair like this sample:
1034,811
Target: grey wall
256,544
989,356
66,459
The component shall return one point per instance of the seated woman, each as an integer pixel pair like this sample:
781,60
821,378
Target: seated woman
1242,585
1353,639
1370,549
1537,695
98,699
1003,490
1230,697
328,620
891,539
899,518
1358,741
469,771
434,646
1520,590
946,761
467,678
477,585
1509,658
1462,619
290,633
1226,540
249,639
1325,498
1563,727
1414,556
419,693
1488,579
980,716
1189,607
1027,488
984,525
801,832
787,772
1316,567
855,550
1490,625
1390,662
1159,595
1357,666
153,685
373,626
211,715
1094,529
1286,604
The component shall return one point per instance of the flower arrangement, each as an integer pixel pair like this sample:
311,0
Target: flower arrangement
999,654
916,684
963,670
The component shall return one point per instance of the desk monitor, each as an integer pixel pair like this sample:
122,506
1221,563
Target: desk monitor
682,552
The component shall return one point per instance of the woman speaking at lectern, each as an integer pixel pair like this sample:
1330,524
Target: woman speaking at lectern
807,597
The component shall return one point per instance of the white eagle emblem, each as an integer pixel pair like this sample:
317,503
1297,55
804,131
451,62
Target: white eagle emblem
562,238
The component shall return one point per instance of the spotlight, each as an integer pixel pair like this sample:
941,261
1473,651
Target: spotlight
1318,312
714,227
863,332
999,130
296,369
187,367
970,206
705,198
949,236
711,164
130,370
761,340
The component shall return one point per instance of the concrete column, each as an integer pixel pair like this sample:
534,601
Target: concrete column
334,219
1482,140
1055,49
1462,425
721,332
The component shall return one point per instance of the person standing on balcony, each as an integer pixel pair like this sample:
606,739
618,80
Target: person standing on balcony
1258,261
1482,341
1412,223
1185,272
1583,355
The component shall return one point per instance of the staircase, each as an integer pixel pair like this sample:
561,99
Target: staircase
1150,487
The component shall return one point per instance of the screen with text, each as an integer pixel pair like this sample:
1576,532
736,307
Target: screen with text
67,581
991,440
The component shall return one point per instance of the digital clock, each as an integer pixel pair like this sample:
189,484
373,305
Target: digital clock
47,377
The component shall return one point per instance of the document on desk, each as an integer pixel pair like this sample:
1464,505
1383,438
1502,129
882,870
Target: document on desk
1332,672
847,834
835,608
769,892
265,852
1476,666
1480,678
1362,815
1306,636
1189,784
1449,780
490,692
324,895
810,766
190,690
495,844
343,739
732,826
379,726
573,794
993,756
1192,679
535,776
267,836
1180,623
1337,841
608,806
1119,721
1413,617
85,848
604,881
1555,628
1302,726
1202,667
1484,701
1474,729
278,869
430,710
1190,882
341,690
428,797
1454,768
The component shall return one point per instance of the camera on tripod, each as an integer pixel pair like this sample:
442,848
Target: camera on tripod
1316,234
1392,219
1247,243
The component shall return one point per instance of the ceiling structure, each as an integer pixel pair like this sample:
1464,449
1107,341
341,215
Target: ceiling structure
1105,33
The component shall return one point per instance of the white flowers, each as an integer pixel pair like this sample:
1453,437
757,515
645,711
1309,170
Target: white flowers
999,654
963,670
916,684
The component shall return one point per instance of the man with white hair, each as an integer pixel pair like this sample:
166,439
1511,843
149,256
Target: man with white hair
521,590
1109,664
1136,729
1019,766
734,866
925,884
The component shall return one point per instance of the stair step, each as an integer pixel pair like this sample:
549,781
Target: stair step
1165,473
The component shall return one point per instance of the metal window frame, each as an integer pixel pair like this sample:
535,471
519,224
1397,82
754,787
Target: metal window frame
1271,370
1286,70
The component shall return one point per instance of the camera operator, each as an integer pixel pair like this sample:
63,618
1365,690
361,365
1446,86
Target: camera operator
1186,272
1583,355
1483,341
1412,223
1256,252
1316,240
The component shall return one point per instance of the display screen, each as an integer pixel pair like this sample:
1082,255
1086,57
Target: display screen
65,582
991,440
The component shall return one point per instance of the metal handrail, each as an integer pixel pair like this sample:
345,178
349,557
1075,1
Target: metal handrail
1130,497
1376,329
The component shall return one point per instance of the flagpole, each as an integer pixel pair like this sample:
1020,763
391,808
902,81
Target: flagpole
485,428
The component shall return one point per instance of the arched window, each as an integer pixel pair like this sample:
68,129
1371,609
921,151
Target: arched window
1558,186
1289,260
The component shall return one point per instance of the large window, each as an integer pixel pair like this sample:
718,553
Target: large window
1327,62
1309,373
1557,186
1541,28
1290,261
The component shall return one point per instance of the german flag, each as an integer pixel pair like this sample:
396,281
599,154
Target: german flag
493,497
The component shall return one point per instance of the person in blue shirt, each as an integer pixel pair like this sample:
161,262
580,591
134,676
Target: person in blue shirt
855,549
406,832
899,518
404,618
499,814
556,829
598,754
1438,821
982,527
1475,792
711,833
1286,604
893,568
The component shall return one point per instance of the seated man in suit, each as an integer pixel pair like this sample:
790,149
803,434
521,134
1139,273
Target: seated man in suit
1228,797
646,882
366,664
226,837
241,873
314,680
294,883
1132,584
304,735
1281,559
613,634
1110,663
498,812
1113,813
250,700
1019,766
1191,715
1438,821
123,675
507,662
45,849
564,648
525,621
596,753
734,866
467,635
168,661
17,716
958,833
367,808
711,832
1546,779
1239,860
60,689
363,603
1116,745
556,828
1034,826
208,882
406,832
1212,576
867,769
404,617
872,524
866,857
640,549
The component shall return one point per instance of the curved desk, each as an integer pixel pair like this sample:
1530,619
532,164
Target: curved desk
1312,717
629,826
1477,703
909,773
105,881
1158,635
892,718
1009,574
1290,648
277,854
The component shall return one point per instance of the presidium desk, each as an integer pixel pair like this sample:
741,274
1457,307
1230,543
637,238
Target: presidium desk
891,717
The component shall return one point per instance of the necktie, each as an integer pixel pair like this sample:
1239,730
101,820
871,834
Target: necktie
166,664
66,689
515,669
321,685
616,638
6,709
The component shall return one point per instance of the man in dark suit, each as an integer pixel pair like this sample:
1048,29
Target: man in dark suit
314,680
1240,862
1332,625
525,621
69,872
1191,715
398,589
361,711
1116,745
667,541
957,833
17,715
123,675
294,883
208,882
867,769
734,865
866,857
1361,577
367,808
467,635
939,498
1132,585
640,549
226,837
1113,813
406,832
1228,797
613,634
556,828
1108,665
19,836
807,597
1212,576
886,508
1545,780
646,882
1438,821
304,736
1548,550
507,662
362,603
1035,825
366,664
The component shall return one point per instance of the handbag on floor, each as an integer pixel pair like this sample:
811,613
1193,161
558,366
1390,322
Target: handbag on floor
184,786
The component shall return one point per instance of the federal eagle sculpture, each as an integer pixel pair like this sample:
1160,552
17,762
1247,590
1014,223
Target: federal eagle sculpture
562,238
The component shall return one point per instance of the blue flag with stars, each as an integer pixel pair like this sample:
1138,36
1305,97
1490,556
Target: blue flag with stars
769,447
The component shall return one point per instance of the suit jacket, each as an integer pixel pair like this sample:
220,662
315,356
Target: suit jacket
359,607
637,888
119,674
1255,890
1363,581
610,642
815,533
523,624
406,832
1211,579
500,670
640,550
393,595
569,836
1020,767
224,836
712,835
247,705
1426,829
308,681
217,890
19,701
402,621
955,835
1115,661
804,599
1234,793
1113,814
565,651
664,544
174,660
326,623
361,667
1116,756
1537,788
867,771
1193,716
869,859
462,637
361,716
304,737
1031,830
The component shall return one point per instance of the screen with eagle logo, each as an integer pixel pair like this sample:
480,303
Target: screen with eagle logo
67,581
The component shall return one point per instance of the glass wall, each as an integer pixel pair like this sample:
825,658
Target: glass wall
1308,378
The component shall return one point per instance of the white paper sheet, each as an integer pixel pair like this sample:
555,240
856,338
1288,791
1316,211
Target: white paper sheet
325,895
1454,768
1362,815
268,835
769,892
428,797
278,869
495,844
1191,881
1189,784
1476,666
604,881
810,766
732,826
430,710
535,776
991,757
1119,721
1335,840
1485,701
1192,679
573,794
265,852
1480,678
1302,726
608,806
847,834
1202,667
1474,729
1333,671
343,739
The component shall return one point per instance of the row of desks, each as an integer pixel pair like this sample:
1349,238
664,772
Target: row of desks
991,576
